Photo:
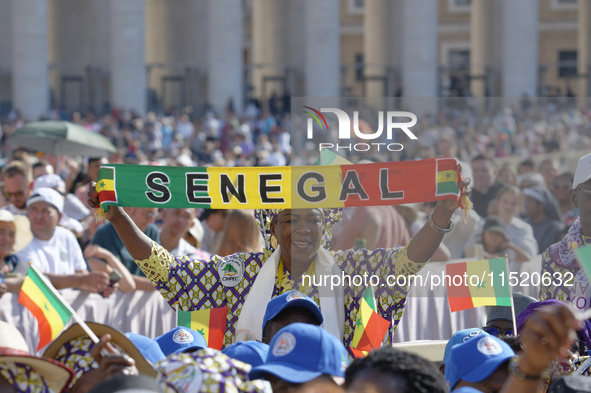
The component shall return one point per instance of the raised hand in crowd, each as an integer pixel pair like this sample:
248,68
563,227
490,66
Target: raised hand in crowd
102,260
546,336
111,363
137,243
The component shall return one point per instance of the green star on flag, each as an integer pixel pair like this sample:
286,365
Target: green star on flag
210,323
468,294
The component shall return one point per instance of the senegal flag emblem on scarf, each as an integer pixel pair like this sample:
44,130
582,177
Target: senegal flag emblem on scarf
106,186
447,178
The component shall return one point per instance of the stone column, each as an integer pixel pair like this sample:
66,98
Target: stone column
30,68
268,43
128,55
519,49
376,24
584,47
225,63
419,52
322,48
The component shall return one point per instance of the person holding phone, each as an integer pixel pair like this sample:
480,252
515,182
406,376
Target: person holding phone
102,260
54,249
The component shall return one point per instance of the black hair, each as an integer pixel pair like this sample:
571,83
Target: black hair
483,158
419,374
528,163
208,212
268,328
93,159
513,341
40,163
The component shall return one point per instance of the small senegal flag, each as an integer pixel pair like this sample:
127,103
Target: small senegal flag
482,283
211,323
105,186
38,295
447,177
371,327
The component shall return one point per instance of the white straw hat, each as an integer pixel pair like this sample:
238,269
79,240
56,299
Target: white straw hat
23,234
13,349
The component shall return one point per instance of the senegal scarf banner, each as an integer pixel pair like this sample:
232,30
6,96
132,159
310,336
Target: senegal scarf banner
322,186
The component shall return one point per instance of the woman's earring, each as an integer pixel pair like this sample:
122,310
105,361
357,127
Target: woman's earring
273,242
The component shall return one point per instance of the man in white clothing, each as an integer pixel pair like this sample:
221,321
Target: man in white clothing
54,249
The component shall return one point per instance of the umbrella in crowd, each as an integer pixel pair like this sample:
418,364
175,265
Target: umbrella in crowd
61,138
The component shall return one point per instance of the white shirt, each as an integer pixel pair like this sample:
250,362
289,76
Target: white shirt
59,255
15,210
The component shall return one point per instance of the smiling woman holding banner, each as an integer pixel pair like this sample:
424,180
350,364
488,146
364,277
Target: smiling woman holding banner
296,242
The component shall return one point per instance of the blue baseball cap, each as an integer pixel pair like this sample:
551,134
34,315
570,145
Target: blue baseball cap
461,336
179,340
250,352
292,299
476,359
301,352
466,389
148,347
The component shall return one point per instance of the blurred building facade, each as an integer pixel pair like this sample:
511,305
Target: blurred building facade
146,55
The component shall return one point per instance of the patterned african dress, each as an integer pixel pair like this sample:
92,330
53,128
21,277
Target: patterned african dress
197,284
568,282
23,378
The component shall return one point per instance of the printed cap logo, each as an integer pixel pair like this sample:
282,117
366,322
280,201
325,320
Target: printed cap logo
184,377
471,335
182,336
293,295
488,346
284,345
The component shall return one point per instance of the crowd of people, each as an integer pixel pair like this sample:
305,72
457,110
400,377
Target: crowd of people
281,334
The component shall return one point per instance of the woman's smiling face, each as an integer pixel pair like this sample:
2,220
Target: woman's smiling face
298,232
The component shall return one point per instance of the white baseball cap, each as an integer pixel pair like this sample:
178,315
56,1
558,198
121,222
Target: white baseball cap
50,181
48,195
583,172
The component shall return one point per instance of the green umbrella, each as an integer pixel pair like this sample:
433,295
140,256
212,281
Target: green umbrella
61,138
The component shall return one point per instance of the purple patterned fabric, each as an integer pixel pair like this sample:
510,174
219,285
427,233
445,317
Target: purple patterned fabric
196,285
23,378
